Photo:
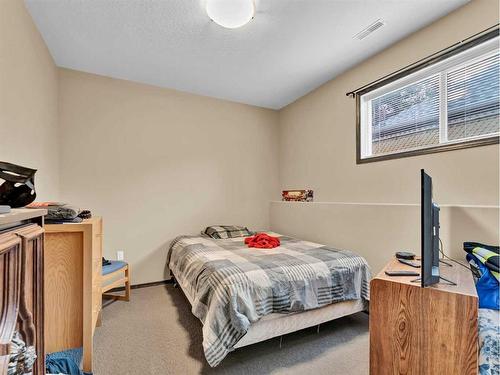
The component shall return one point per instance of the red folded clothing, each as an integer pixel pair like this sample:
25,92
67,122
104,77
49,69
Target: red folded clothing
262,241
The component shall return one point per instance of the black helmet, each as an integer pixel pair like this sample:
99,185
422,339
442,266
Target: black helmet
18,188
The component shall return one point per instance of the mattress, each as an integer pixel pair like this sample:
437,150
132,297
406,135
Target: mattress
274,325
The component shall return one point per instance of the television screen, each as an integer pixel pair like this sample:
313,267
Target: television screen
429,212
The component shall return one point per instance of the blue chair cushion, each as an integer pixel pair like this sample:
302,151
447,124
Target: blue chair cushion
114,266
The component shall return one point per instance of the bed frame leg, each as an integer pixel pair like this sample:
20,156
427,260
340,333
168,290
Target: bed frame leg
317,330
281,341
175,282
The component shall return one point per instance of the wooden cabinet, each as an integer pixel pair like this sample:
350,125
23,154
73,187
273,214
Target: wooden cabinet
73,268
424,331
21,283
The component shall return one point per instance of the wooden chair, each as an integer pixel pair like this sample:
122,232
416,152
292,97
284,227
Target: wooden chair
118,272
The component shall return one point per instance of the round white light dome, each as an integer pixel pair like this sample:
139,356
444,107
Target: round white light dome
230,13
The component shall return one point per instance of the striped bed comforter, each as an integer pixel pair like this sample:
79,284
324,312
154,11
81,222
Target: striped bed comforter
233,286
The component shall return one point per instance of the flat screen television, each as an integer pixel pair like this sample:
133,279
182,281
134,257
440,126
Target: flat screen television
429,212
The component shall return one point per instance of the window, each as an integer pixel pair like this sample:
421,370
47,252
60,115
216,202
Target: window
450,104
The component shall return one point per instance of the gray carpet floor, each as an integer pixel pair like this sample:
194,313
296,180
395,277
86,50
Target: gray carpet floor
156,333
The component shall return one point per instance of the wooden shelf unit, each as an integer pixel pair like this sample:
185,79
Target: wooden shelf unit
73,267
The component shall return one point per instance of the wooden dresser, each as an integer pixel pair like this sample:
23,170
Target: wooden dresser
415,330
73,286
21,283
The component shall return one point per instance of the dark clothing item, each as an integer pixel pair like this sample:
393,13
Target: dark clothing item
469,246
57,210
62,221
487,254
105,262
62,212
85,214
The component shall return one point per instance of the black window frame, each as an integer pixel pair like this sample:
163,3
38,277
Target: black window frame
448,53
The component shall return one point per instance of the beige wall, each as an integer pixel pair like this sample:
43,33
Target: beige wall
157,163
28,99
318,143
318,137
377,231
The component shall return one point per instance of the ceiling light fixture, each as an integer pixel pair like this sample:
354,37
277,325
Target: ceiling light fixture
231,13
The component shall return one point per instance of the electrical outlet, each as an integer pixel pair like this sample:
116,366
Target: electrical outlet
119,255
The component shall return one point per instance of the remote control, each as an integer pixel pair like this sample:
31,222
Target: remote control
405,255
401,273
409,263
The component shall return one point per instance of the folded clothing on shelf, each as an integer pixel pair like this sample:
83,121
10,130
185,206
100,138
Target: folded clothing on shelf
65,212
61,212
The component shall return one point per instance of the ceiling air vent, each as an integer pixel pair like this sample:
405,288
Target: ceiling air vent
370,29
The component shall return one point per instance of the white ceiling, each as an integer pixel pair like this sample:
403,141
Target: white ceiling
287,50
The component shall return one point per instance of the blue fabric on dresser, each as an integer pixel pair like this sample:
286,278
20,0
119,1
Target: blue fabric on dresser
114,266
489,342
486,285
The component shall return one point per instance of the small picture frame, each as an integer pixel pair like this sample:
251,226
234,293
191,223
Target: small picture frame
305,195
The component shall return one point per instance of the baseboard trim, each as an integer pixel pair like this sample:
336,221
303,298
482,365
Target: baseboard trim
144,285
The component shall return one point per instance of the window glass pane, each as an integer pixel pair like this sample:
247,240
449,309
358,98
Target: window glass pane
406,118
473,99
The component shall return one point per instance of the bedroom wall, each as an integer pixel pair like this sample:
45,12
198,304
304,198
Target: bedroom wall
156,163
317,150
28,99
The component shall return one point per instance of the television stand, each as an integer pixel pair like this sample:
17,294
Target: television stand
440,278
431,330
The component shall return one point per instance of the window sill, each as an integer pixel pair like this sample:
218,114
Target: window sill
431,150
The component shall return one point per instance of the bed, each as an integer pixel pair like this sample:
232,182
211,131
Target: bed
245,295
